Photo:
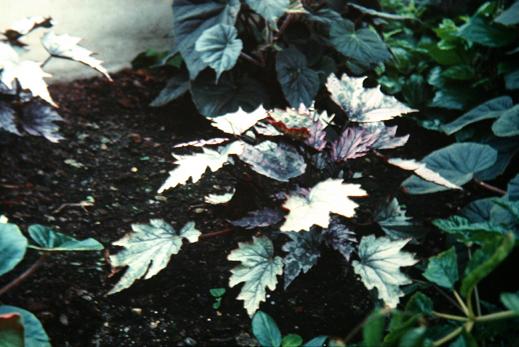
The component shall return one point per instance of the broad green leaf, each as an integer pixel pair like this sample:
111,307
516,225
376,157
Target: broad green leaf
415,338
49,240
363,45
468,232
313,206
459,72
361,104
34,334
299,83
458,163
512,191
421,170
304,249
442,269
373,329
478,211
176,86
488,110
512,79
258,270
266,330
511,301
228,95
419,303
318,341
399,324
191,18
292,340
379,265
148,249
12,247
271,10
510,16
11,330
452,98
279,161
507,124
193,166
506,148
66,46
478,30
485,260
219,47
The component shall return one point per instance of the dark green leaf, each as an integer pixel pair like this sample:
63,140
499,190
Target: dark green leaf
512,79
217,292
511,301
510,16
459,72
373,329
419,303
485,260
52,241
266,330
506,148
413,338
191,18
34,334
451,98
478,30
12,247
299,83
400,323
457,163
507,124
177,86
380,14
363,45
442,269
468,232
318,341
219,47
292,340
11,330
271,10
512,191
231,92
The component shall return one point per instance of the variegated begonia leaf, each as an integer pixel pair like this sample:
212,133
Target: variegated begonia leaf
258,270
24,26
421,170
278,161
314,207
38,119
202,143
363,105
394,222
355,142
304,249
7,120
379,265
259,219
30,76
216,199
297,122
195,165
317,137
387,138
66,46
340,238
147,250
236,123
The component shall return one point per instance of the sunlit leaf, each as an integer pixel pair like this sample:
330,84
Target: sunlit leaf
202,143
49,240
442,269
236,123
216,199
147,250
363,104
34,334
278,161
421,170
271,10
7,120
355,142
379,265
298,122
457,163
259,219
315,206
258,271
299,82
195,165
303,252
12,247
24,26
38,119
66,46
30,76
219,47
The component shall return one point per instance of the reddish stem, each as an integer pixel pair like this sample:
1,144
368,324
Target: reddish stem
490,187
216,233
27,273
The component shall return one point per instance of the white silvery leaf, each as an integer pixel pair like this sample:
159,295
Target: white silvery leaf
421,170
194,165
147,250
258,270
7,56
314,207
202,143
303,252
363,105
26,25
30,76
216,199
236,123
66,46
379,265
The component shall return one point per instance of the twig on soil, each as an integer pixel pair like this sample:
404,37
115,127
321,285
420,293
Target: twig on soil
216,233
251,59
490,187
82,204
27,273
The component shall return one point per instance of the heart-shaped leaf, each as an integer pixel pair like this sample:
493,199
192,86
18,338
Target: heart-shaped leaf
12,247
11,330
34,334
271,10
421,170
49,240
303,252
507,124
442,269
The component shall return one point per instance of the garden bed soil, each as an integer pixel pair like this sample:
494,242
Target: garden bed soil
116,153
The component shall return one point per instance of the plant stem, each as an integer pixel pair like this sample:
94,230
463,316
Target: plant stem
18,280
46,61
450,316
495,316
251,59
448,337
216,233
468,312
490,187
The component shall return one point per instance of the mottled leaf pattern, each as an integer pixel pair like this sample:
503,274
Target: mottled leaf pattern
38,119
354,142
340,238
394,222
303,251
7,121
259,219
258,271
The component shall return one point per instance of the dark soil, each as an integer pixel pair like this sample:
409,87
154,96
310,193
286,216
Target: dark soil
118,152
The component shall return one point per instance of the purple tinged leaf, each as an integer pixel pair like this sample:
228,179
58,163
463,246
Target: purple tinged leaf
387,138
317,138
354,142
277,161
340,238
259,219
38,120
7,121
303,252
